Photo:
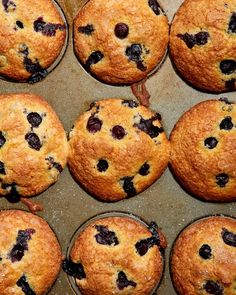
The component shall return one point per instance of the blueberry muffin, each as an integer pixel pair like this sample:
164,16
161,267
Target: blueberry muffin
30,255
202,44
117,149
117,255
32,35
203,259
33,145
119,42
203,150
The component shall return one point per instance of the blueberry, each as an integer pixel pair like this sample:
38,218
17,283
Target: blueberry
228,237
121,30
205,251
87,30
102,165
13,195
123,282
8,4
128,186
19,24
130,103
232,23
228,66
33,141
105,236
2,168
34,119
54,164
148,127
154,6
225,100
144,170
142,246
230,84
21,245
222,179
118,132
74,269
94,124
24,285
212,287
94,58
2,139
200,38
47,29
211,142
226,123
134,53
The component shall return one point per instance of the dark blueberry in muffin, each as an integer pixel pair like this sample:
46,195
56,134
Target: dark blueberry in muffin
2,168
8,5
205,251
19,24
211,142
105,236
228,237
2,139
13,195
47,29
121,30
123,282
154,6
94,124
87,30
228,66
118,132
102,165
130,103
24,285
134,53
226,123
191,40
225,100
144,170
222,179
21,245
230,84
54,164
212,287
128,186
33,141
142,246
232,23
34,119
94,58
73,269
148,127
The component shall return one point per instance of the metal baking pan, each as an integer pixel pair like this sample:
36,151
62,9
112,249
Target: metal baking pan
70,90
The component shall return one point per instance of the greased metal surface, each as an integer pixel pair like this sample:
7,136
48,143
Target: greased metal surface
70,90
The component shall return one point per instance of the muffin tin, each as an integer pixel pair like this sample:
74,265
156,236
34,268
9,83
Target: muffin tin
70,90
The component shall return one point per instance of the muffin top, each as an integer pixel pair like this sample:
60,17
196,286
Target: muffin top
202,44
203,257
33,144
203,150
30,255
32,35
119,42
117,255
117,149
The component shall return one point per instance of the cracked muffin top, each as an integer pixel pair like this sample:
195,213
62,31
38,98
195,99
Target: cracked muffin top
119,42
202,44
117,255
33,145
203,259
117,149
30,255
32,35
203,150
